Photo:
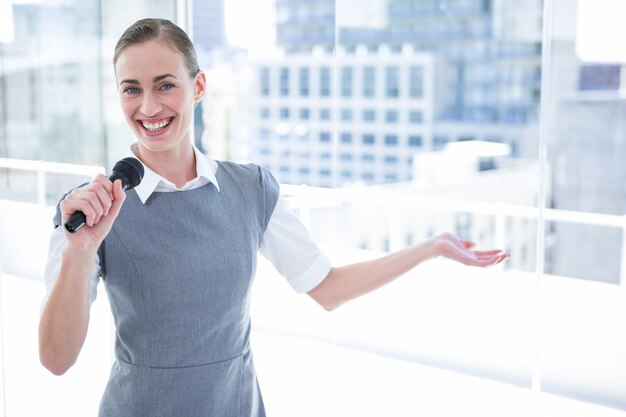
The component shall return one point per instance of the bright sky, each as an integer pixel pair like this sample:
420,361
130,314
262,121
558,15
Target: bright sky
601,30
250,25
6,21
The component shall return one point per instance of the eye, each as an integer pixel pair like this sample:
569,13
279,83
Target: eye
166,86
131,90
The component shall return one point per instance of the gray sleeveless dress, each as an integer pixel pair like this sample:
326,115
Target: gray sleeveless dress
178,272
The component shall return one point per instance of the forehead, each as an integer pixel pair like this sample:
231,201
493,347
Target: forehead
147,59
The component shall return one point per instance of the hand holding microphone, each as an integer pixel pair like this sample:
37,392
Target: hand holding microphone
98,197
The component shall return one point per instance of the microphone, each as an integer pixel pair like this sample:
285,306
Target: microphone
129,170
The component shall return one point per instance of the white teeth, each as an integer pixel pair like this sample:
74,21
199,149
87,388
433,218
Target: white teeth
156,126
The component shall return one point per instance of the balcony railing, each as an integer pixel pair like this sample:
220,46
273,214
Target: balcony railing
468,320
44,168
306,198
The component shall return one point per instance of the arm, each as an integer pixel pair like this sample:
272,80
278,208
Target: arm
65,317
347,282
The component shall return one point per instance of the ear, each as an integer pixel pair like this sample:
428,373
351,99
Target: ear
200,83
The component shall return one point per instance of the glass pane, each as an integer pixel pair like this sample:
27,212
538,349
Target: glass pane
423,119
59,118
454,148
403,119
50,77
583,302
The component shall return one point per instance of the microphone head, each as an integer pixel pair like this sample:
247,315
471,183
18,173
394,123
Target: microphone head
129,170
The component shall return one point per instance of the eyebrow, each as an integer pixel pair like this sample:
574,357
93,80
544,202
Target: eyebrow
154,80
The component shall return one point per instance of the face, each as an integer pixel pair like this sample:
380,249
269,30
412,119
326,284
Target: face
158,95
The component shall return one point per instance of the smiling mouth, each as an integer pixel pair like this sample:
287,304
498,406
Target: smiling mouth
156,126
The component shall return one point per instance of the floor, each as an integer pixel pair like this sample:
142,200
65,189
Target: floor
298,376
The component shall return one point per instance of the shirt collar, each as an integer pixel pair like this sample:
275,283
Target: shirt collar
205,167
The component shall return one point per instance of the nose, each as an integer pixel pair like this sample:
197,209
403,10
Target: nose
150,105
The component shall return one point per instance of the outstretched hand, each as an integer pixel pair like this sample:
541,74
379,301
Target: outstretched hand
449,246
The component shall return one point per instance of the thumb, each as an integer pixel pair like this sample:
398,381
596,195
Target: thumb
468,244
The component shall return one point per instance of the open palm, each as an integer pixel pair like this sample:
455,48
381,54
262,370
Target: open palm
462,251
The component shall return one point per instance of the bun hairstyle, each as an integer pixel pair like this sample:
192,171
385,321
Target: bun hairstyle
164,31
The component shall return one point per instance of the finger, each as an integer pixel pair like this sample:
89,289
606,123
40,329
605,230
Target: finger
91,195
96,193
497,259
105,182
104,197
488,252
118,198
99,194
71,205
504,257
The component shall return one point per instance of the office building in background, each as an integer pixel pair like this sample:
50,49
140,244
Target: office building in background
487,56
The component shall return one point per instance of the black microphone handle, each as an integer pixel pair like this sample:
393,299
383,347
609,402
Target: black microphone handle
78,219
76,222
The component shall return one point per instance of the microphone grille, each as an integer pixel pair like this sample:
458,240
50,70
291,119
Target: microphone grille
130,168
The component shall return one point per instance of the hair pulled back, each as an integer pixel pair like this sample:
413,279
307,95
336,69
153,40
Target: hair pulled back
164,31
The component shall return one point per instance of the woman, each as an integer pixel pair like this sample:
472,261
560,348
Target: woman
177,253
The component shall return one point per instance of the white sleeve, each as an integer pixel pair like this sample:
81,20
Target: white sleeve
288,245
53,265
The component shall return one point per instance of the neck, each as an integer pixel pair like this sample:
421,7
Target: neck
175,165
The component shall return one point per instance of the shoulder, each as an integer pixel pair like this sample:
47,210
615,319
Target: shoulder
237,168
247,173
252,184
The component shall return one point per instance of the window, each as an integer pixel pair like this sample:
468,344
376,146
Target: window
391,140
391,116
416,82
415,141
346,81
265,82
369,82
346,115
439,141
392,82
487,87
369,115
324,137
416,117
324,82
304,82
284,82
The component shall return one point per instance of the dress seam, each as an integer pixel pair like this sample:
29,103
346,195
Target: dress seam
180,367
